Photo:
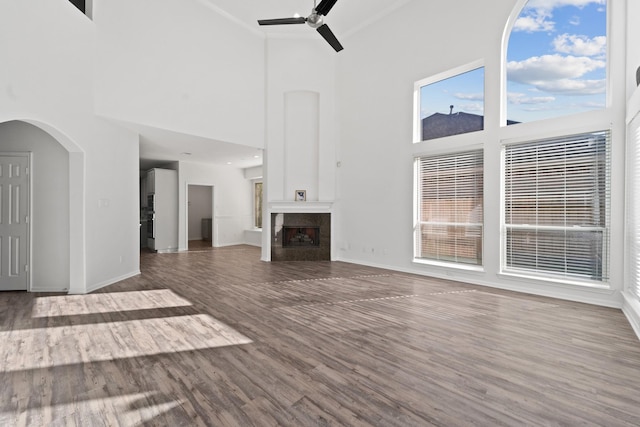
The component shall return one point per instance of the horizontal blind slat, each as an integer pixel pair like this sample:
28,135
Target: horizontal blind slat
449,189
551,187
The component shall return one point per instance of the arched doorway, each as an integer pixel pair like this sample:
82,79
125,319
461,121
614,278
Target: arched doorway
57,213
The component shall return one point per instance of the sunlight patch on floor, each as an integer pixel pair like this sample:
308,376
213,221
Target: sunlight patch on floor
71,305
73,344
136,409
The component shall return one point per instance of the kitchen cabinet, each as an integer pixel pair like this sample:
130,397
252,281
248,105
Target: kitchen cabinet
162,206
143,192
150,181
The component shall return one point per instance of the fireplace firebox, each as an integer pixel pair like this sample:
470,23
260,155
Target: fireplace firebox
300,236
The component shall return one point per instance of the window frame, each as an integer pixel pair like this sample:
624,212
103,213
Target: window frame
545,275
503,108
444,75
254,184
417,208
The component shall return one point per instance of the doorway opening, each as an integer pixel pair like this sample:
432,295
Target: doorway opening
200,223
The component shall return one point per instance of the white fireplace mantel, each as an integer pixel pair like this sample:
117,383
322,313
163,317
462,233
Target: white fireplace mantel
300,207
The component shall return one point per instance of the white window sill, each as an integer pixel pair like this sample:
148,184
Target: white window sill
449,265
588,284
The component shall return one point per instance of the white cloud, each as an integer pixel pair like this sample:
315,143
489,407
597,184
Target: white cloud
574,86
574,44
551,67
575,21
471,108
537,14
470,96
533,23
523,99
558,74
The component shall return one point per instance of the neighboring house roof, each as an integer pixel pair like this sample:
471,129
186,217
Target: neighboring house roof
439,125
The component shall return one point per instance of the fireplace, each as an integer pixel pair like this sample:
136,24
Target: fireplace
300,236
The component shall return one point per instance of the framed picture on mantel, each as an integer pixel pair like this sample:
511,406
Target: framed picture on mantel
301,195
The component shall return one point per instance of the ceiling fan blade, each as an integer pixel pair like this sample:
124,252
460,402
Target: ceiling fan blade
325,6
329,37
282,21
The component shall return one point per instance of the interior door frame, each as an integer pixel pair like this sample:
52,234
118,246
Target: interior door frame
213,216
29,156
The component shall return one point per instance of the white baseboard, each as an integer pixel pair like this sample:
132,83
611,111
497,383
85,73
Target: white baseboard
631,309
100,285
608,298
48,290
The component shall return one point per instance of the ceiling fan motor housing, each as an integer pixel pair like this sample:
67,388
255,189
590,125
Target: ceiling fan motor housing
314,20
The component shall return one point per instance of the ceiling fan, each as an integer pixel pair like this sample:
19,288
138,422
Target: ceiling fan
314,20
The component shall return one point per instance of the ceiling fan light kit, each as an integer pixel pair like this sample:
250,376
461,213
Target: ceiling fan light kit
314,20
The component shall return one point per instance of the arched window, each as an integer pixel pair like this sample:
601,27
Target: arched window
557,60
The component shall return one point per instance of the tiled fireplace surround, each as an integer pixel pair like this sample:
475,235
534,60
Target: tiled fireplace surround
300,236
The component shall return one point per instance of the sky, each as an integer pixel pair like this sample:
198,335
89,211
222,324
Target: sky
464,91
556,65
556,60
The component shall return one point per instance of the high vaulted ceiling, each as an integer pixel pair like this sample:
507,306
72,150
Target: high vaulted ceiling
159,146
346,17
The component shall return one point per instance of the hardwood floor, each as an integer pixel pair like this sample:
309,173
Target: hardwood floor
200,245
219,338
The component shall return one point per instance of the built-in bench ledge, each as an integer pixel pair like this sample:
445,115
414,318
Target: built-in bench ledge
253,236
301,207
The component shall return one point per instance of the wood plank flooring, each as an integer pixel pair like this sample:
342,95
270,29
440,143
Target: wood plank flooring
219,338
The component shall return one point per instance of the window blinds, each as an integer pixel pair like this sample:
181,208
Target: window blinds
556,212
450,197
633,205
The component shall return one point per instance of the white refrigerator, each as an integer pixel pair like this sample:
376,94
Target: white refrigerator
162,192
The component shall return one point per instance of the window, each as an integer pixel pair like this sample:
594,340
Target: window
556,207
452,105
450,208
257,204
557,60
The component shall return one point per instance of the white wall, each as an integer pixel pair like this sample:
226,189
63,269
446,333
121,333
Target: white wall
232,201
181,66
200,206
50,203
253,173
375,181
301,70
47,48
633,45
631,306
253,236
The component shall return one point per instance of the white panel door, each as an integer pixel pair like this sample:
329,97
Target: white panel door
14,222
